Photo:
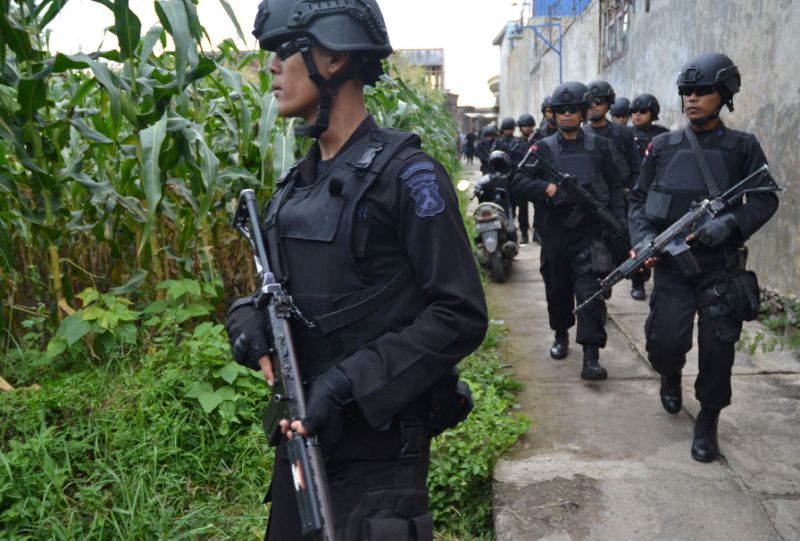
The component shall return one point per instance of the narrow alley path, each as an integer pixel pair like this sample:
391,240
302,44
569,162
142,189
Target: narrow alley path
604,461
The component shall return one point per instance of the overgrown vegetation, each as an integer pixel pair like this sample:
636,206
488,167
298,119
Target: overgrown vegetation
781,316
118,171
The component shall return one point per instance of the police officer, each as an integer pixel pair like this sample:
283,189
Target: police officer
547,126
515,151
601,97
574,252
644,110
526,124
485,146
705,157
350,230
620,111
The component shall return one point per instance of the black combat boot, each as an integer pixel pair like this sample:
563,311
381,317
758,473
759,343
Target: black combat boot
704,446
560,347
591,364
637,292
671,395
523,238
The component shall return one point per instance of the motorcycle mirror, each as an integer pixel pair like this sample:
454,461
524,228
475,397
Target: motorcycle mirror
463,185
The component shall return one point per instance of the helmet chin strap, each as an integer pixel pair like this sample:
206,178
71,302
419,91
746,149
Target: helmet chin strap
568,128
327,90
707,118
595,118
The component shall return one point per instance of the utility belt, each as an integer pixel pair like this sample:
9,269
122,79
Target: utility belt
739,296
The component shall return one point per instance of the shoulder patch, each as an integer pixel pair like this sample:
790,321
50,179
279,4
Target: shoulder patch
409,170
421,180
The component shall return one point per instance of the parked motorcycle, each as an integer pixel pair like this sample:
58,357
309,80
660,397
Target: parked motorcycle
496,242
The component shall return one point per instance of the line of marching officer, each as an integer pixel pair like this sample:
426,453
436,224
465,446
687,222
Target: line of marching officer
647,178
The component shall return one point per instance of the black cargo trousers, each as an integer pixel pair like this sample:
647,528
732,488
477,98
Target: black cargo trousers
570,275
669,328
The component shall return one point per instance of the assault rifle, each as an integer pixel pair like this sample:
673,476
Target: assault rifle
584,202
288,396
673,239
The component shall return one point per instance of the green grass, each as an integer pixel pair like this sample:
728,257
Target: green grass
118,452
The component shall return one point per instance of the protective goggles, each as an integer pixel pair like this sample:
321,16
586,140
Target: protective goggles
704,90
568,109
288,48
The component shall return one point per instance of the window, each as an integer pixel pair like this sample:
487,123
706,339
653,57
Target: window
616,16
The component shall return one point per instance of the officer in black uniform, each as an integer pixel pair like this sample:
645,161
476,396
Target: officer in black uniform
644,110
621,137
621,111
547,126
515,151
485,146
601,97
526,124
366,235
574,252
682,166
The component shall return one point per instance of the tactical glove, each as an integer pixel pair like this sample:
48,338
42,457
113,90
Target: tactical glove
248,332
715,231
329,393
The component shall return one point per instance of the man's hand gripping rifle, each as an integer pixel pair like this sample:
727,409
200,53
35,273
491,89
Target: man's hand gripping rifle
673,239
310,483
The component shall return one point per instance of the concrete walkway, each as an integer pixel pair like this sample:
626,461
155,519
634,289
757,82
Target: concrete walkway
604,461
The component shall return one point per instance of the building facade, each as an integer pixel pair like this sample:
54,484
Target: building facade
640,45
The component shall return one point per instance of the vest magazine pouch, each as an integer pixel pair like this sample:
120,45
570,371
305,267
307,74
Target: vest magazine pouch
744,295
657,205
391,514
602,259
314,219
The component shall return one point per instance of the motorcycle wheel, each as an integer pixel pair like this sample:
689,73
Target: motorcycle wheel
497,267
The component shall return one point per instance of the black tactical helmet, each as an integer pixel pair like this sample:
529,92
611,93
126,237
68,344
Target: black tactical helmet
546,103
338,25
647,101
489,129
570,93
526,119
507,124
712,69
499,162
353,26
601,89
621,107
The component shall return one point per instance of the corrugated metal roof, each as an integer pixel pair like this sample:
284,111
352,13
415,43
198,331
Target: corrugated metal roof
423,57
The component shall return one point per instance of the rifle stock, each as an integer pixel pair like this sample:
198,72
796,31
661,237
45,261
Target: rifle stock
308,470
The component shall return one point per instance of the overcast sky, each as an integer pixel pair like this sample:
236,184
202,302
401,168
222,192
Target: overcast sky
463,28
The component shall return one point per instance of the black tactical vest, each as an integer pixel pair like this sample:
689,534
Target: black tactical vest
314,236
585,166
678,179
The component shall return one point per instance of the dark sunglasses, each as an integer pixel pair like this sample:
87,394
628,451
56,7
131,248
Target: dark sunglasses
600,101
699,90
570,109
287,49
641,111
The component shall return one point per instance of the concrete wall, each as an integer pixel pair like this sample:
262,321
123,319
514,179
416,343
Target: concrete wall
761,36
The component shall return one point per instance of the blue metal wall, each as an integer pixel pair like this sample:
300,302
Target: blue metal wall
559,8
